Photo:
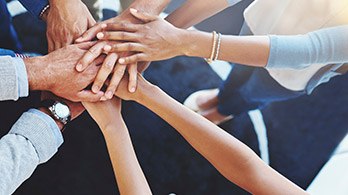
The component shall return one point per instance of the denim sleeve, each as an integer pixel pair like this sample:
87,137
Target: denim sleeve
233,2
13,78
32,140
325,46
34,6
6,52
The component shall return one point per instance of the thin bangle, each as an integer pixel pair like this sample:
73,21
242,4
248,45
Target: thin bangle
210,60
218,47
44,10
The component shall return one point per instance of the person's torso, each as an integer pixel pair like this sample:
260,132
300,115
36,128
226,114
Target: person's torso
292,17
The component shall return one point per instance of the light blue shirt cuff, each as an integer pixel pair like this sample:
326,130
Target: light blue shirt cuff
22,77
233,2
54,127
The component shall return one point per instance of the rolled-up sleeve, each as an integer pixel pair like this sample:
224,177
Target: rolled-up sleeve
32,140
13,78
326,46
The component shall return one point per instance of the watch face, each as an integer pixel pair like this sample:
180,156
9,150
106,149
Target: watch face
62,110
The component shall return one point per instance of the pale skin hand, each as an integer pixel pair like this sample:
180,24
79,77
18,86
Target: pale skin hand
158,40
129,176
151,6
66,21
234,160
56,72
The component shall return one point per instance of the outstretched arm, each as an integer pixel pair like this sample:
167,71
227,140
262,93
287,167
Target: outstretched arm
230,157
158,40
130,178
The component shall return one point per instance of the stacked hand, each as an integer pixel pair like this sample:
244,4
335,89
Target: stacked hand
111,66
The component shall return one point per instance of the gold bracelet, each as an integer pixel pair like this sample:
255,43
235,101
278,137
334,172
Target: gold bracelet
210,60
217,52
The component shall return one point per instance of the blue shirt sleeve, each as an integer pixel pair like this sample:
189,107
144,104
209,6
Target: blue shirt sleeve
325,46
34,6
6,52
233,2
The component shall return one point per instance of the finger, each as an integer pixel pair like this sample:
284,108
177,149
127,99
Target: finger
121,26
86,45
115,80
69,41
104,72
89,96
118,36
143,16
142,66
140,57
90,34
91,54
50,43
124,47
91,21
57,45
133,72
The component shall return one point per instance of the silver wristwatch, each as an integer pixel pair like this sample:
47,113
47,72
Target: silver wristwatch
59,110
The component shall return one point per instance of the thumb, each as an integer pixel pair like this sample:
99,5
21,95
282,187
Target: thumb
142,16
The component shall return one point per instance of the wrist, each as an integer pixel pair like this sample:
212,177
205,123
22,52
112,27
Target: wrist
197,44
146,91
36,77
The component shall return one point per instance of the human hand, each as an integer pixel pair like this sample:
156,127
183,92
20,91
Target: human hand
118,69
104,113
66,20
76,109
56,72
143,85
155,40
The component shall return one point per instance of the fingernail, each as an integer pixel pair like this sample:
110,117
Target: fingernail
79,39
133,10
104,25
107,48
132,90
103,98
95,89
79,67
121,61
100,35
109,94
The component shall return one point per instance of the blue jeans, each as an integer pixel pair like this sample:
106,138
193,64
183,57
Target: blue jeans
8,35
249,88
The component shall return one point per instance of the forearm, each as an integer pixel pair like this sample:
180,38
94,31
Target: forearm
248,50
31,141
231,158
130,178
194,11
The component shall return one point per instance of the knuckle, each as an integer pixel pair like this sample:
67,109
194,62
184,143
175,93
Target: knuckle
119,72
108,66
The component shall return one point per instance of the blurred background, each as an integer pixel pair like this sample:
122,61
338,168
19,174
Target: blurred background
303,139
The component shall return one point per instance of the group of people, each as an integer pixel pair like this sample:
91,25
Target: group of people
286,49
